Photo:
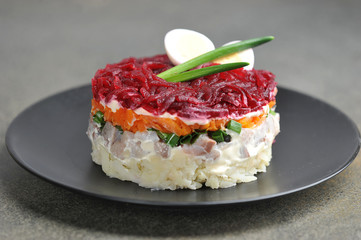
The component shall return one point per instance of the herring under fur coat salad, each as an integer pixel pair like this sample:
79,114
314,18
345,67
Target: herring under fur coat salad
170,122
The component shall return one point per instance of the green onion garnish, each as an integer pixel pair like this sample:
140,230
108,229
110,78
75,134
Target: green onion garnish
234,126
185,76
217,53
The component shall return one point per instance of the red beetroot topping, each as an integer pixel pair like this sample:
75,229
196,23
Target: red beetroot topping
134,84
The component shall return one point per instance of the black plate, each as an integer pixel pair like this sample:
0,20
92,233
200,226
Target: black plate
316,142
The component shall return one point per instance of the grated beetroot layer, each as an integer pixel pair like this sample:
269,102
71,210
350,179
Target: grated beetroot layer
134,84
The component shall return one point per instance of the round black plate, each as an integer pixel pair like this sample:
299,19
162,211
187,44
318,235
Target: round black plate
316,142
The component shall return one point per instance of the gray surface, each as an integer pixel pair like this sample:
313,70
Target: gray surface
46,47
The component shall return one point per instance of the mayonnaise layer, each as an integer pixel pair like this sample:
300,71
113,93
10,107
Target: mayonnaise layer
114,105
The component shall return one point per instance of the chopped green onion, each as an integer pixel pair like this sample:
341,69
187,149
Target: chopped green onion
220,136
191,138
185,76
172,140
161,135
272,112
196,135
234,126
217,136
169,138
119,128
98,117
186,139
217,53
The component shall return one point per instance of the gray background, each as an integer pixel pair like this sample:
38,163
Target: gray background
50,46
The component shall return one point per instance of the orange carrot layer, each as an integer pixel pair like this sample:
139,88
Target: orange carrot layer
130,121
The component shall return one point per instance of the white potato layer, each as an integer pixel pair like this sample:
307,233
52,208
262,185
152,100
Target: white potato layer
142,158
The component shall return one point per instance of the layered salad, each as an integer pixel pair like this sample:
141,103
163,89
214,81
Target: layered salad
168,123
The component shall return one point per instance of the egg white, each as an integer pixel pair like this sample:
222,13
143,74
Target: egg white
182,45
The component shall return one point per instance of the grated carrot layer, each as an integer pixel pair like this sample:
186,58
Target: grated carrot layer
130,121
